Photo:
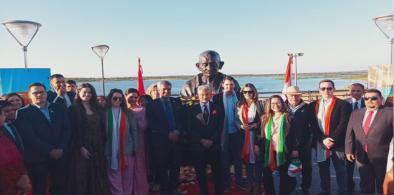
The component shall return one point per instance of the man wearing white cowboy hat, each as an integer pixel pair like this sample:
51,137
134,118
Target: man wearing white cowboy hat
298,108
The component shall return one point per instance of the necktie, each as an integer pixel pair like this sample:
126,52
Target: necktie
366,126
205,113
355,107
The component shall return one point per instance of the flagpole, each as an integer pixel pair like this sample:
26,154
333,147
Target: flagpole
102,75
295,69
295,56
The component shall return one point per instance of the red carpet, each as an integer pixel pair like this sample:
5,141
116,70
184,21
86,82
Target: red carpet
192,188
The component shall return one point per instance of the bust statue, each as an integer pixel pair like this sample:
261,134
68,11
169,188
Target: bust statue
209,64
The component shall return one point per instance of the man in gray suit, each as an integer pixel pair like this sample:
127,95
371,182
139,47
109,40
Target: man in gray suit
368,137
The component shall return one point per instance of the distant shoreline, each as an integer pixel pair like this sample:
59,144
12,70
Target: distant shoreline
351,75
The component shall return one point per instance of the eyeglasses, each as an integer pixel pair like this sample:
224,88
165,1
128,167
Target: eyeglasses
373,98
326,88
117,99
249,92
38,92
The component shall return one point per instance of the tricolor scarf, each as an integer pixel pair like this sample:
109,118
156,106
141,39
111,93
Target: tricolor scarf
119,126
246,147
325,128
269,158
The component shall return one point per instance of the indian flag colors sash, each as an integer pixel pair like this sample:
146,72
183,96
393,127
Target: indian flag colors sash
246,146
270,159
119,126
324,125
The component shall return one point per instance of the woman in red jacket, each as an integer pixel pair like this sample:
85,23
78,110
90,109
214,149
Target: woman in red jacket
13,178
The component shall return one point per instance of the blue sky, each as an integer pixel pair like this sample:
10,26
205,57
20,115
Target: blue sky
252,36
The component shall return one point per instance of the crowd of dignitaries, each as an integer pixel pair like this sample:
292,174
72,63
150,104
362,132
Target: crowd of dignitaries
75,142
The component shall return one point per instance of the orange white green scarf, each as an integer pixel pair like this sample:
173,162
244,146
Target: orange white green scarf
271,160
116,134
249,136
321,152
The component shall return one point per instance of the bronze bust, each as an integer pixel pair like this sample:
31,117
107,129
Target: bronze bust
209,64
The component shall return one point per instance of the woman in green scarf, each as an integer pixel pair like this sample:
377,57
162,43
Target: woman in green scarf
278,147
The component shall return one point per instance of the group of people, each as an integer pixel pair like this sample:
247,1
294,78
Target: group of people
71,141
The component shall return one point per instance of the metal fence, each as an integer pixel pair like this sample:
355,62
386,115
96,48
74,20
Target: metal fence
307,96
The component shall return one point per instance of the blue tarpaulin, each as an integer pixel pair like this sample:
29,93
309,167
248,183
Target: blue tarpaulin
18,79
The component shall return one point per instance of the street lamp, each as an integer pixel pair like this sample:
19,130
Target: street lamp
295,55
100,51
385,25
23,31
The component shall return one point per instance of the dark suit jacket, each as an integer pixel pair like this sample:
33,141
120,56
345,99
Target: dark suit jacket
17,140
39,135
339,119
199,129
158,123
351,104
301,127
52,97
378,138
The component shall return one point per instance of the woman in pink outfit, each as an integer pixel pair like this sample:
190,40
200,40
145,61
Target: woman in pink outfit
140,164
121,129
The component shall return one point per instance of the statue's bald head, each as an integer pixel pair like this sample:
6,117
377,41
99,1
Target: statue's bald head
209,63
210,54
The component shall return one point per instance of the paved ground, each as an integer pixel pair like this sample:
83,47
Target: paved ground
315,188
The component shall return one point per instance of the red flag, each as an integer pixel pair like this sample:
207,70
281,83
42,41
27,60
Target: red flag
140,80
287,81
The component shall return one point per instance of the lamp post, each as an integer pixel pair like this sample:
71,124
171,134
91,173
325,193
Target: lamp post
23,32
295,55
100,51
385,25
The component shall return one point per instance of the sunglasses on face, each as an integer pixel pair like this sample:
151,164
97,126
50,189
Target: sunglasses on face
117,99
326,88
248,92
373,98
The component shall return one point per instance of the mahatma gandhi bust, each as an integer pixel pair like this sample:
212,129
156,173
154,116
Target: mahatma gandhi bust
209,64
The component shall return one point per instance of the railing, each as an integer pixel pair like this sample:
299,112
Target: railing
307,96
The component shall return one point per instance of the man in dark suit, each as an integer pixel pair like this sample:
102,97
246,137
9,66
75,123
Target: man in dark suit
45,131
231,139
368,137
356,99
298,108
164,129
205,123
10,130
329,117
58,94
